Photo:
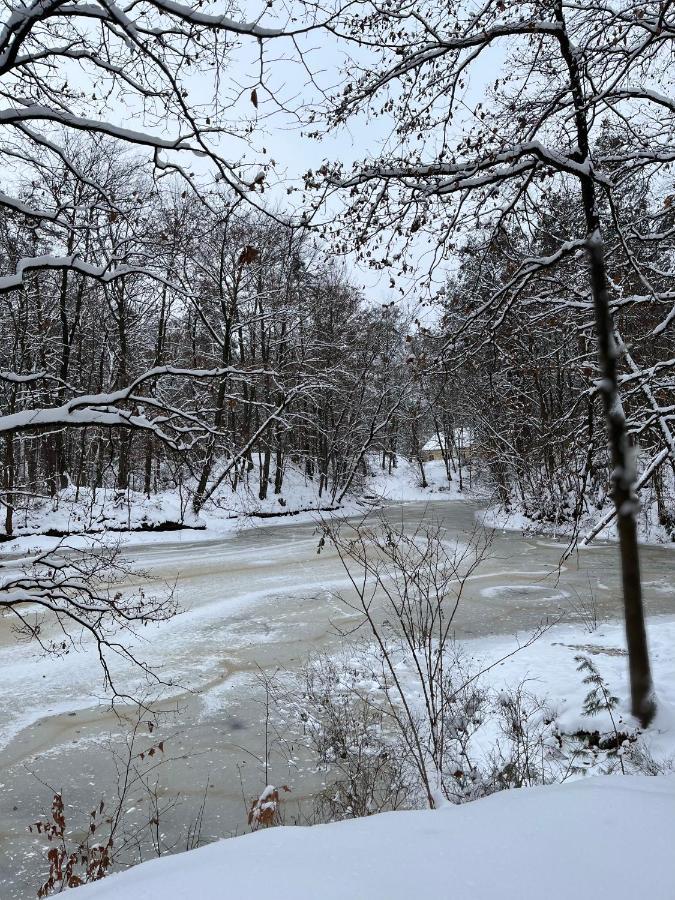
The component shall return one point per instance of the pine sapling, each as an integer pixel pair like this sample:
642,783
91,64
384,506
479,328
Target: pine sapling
599,699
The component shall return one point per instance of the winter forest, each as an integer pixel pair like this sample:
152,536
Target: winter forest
337,448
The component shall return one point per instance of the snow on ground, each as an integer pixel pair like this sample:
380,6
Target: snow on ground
545,671
548,669
650,531
404,482
168,515
107,509
602,837
559,841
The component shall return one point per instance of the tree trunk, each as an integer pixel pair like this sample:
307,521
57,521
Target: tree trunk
279,463
643,703
264,474
9,484
147,475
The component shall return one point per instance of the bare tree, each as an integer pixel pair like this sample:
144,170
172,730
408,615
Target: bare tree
454,166
77,215
63,597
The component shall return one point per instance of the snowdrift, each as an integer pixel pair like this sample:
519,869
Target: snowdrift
600,837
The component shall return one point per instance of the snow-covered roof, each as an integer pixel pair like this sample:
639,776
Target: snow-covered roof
463,437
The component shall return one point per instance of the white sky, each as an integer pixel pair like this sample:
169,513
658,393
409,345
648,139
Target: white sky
280,131
294,153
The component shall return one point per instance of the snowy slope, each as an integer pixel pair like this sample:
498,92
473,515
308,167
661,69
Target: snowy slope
601,837
596,521
75,511
649,529
404,482
548,670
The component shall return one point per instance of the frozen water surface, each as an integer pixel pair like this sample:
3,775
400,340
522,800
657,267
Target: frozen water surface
258,600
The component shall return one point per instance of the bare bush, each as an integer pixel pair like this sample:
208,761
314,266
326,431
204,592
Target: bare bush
124,828
76,864
353,726
408,588
346,728
406,720
585,608
530,750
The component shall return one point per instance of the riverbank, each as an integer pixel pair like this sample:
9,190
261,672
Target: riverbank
606,837
589,529
135,519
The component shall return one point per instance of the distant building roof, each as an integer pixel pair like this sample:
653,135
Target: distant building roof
462,437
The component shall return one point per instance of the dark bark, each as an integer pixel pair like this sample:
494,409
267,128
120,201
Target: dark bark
643,703
9,484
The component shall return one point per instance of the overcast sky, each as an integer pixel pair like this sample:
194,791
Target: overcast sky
278,132
281,134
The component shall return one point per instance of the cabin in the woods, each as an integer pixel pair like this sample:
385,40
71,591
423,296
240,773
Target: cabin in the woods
461,445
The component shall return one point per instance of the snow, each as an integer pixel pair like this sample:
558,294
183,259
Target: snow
404,483
110,512
462,438
562,840
425,846
602,837
507,520
548,668
597,526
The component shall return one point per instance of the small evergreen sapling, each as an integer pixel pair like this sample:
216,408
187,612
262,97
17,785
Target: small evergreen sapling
600,699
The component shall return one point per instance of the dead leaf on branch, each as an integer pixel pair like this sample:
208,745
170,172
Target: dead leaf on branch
248,255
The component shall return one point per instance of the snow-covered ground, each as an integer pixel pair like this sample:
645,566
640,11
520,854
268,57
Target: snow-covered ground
602,837
403,483
547,669
73,511
650,529
111,514
536,681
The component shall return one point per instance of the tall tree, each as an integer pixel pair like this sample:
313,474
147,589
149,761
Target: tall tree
452,166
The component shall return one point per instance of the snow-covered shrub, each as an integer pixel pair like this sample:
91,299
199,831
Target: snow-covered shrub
530,749
346,730
266,810
368,747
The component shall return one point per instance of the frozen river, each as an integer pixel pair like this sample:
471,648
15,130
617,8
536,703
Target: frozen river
260,599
